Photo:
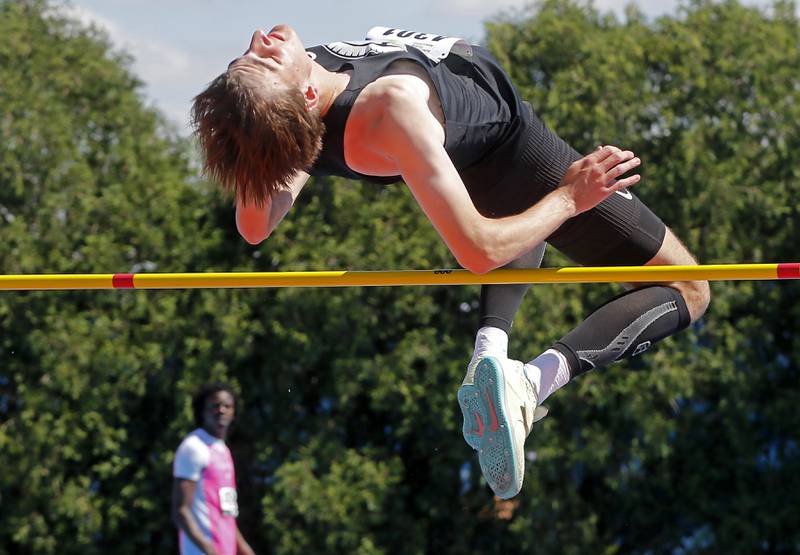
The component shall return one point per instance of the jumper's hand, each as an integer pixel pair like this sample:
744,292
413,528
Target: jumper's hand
591,179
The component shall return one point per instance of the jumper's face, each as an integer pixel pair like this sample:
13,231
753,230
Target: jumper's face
277,59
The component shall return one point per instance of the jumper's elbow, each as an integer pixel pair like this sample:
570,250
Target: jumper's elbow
477,262
254,222
479,248
252,234
254,239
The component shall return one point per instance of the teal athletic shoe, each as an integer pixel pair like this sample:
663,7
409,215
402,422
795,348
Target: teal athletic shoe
503,406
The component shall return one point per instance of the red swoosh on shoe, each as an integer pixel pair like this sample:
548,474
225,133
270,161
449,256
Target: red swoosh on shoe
479,431
493,425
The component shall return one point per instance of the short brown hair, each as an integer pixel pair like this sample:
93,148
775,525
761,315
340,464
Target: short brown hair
254,141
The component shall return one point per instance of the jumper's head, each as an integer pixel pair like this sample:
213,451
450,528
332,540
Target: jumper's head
258,123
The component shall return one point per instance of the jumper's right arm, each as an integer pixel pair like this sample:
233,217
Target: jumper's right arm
409,135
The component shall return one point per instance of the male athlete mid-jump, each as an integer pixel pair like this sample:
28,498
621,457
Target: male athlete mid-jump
443,117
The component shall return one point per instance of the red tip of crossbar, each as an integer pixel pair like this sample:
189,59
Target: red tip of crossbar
789,271
122,281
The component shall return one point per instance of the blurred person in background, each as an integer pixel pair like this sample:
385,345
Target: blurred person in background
204,499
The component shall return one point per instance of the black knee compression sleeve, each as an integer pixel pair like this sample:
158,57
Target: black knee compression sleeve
624,327
499,303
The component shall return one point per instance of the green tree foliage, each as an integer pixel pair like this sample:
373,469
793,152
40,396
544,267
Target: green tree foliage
349,440
91,383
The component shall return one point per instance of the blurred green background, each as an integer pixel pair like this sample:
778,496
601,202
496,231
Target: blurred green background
349,439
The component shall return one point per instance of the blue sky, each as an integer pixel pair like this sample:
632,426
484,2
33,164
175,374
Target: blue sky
180,45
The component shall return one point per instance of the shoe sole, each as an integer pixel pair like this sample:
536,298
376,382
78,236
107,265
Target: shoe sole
495,452
469,401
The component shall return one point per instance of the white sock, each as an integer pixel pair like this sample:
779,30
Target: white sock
490,341
548,373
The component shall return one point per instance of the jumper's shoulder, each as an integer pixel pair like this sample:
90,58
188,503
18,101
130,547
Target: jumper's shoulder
395,92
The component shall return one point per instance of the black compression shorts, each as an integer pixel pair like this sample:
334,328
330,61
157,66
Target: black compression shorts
620,231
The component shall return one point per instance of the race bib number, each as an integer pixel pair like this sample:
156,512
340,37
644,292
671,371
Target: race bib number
228,502
435,47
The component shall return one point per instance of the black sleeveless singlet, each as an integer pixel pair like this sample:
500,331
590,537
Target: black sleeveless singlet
506,157
481,107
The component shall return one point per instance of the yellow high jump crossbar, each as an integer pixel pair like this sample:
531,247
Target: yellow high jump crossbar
613,274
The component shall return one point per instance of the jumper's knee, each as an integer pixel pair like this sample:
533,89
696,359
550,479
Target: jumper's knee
697,295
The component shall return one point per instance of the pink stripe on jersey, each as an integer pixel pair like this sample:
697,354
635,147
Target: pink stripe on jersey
219,486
